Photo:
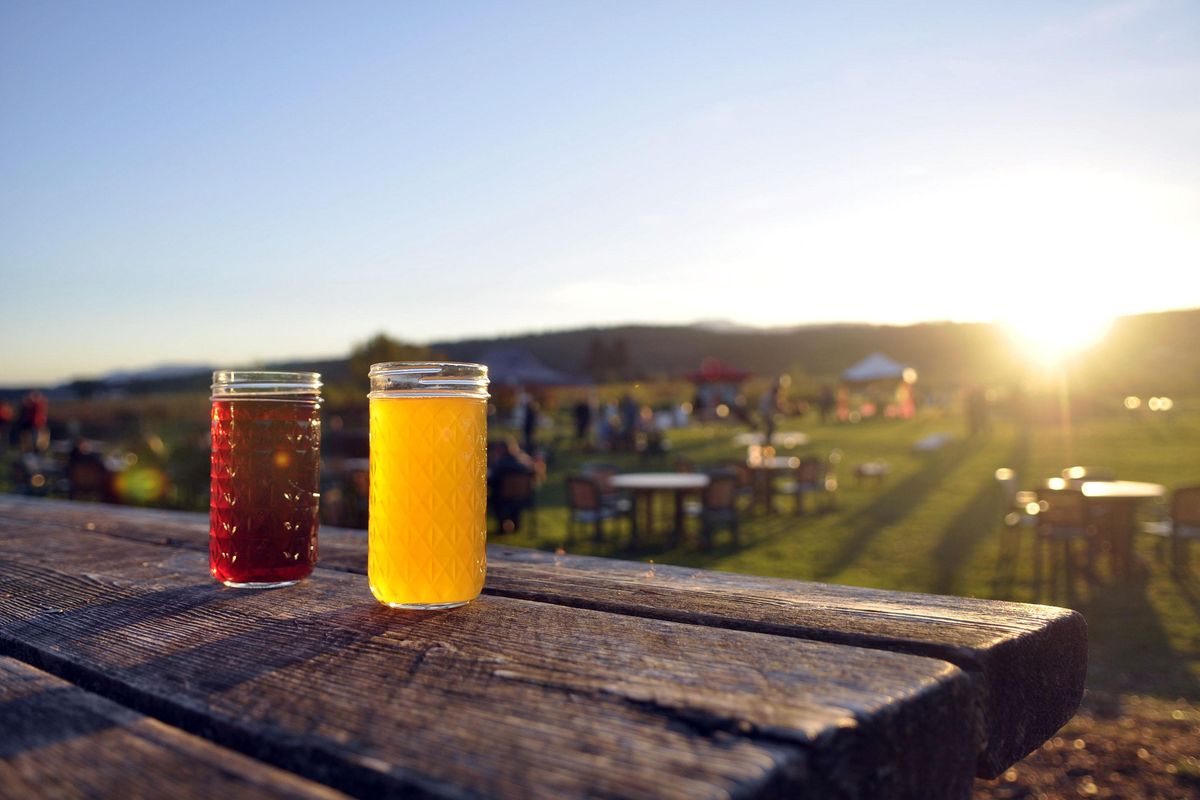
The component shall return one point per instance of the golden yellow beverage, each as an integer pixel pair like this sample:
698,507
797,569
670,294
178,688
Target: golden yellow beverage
428,500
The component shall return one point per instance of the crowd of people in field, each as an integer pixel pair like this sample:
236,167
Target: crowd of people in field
620,425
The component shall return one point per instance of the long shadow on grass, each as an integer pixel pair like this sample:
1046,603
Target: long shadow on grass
1129,650
976,521
689,551
895,503
1187,583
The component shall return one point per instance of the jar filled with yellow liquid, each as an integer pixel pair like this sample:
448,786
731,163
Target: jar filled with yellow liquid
427,524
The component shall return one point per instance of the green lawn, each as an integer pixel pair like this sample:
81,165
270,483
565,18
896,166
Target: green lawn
935,526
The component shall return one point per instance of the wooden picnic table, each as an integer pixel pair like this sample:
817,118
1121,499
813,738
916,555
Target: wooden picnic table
763,470
645,485
786,439
126,671
1119,501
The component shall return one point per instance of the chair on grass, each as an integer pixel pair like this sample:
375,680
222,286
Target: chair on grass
1180,528
831,478
603,474
717,507
1018,514
1064,516
812,476
744,490
1019,508
1077,475
586,506
514,494
832,462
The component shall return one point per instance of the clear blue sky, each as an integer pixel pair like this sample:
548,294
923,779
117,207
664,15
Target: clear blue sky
225,182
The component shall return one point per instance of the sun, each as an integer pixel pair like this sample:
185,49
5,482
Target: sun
1050,336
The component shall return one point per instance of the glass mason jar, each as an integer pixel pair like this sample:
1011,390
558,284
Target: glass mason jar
265,489
428,494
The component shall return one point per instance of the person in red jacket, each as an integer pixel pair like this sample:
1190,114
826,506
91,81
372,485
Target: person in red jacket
33,424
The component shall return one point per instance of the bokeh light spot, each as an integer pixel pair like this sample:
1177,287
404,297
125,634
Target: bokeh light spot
141,485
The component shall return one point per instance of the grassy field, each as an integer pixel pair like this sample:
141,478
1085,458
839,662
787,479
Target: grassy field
934,525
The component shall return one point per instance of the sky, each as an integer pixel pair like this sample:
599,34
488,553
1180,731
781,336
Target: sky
226,182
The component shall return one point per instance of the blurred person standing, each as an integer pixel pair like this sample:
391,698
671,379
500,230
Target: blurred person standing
826,402
768,407
6,424
583,422
88,476
605,428
33,423
630,413
529,425
977,410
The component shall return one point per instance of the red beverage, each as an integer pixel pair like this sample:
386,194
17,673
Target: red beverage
265,486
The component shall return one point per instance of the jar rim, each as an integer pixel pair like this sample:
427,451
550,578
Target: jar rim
431,367
428,379
242,382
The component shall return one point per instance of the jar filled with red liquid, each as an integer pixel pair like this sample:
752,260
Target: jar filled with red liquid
265,488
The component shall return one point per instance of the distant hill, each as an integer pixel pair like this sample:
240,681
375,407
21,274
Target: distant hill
937,350
1144,353
165,372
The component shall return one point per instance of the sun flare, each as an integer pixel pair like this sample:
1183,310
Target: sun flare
1051,336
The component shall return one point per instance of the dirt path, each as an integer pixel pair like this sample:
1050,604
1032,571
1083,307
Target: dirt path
1117,746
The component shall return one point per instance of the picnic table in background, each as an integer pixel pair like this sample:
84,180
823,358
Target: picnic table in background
645,485
765,468
785,439
126,671
1117,502
1120,499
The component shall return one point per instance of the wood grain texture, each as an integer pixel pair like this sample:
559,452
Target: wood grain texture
505,697
1031,660
57,740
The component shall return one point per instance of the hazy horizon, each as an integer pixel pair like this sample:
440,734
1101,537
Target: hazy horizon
227,183
283,358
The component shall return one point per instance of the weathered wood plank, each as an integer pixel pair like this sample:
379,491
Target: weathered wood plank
1031,659
502,698
57,740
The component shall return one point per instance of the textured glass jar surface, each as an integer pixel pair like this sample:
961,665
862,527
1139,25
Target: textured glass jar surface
265,490
428,500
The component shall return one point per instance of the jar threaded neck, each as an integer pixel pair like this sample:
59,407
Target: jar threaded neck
245,384
428,379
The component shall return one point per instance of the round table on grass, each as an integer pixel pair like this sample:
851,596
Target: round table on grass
1118,501
787,439
645,485
764,469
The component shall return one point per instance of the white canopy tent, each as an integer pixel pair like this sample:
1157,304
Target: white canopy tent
878,367
885,386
